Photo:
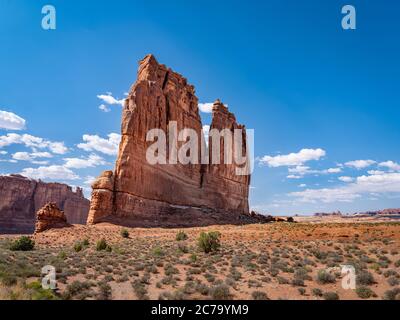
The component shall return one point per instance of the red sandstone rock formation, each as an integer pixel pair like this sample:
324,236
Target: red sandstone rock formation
49,217
141,194
21,198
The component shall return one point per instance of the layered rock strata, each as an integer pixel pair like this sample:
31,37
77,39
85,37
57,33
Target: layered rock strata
21,198
139,193
50,217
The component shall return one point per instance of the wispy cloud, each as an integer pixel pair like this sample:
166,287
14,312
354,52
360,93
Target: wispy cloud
378,184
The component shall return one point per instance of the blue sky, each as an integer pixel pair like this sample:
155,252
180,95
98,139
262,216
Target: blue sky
285,68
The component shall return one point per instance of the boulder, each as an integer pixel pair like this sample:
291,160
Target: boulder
49,217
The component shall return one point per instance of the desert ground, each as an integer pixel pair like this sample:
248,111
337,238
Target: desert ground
261,261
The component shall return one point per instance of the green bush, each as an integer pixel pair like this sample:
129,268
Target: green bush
181,236
324,277
102,245
78,246
85,242
364,292
210,241
331,296
124,233
22,244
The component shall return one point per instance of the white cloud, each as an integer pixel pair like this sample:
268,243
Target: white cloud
32,142
26,156
104,108
391,165
206,107
3,152
109,99
333,170
293,176
80,163
293,159
360,164
346,179
95,143
53,172
10,121
377,184
303,185
372,172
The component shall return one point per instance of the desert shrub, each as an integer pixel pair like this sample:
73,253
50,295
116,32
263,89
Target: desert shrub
259,295
297,282
181,236
38,293
183,248
220,292
364,292
76,288
397,263
101,245
104,291
209,242
324,277
302,291
317,292
203,289
282,280
140,290
393,281
331,296
365,278
22,244
124,233
85,242
391,294
302,274
8,279
389,273
78,246
157,251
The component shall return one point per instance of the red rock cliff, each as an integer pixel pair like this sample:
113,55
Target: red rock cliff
21,198
139,193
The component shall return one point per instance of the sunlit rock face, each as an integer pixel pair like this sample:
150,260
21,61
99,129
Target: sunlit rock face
138,193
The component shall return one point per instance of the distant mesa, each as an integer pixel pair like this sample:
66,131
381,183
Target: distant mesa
21,198
137,193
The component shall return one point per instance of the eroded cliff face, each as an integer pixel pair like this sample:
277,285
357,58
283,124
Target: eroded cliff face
144,194
21,198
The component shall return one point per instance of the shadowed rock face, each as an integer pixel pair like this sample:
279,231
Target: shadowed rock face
21,198
141,194
50,217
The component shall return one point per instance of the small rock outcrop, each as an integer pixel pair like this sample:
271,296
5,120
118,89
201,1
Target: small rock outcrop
138,193
21,198
50,217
